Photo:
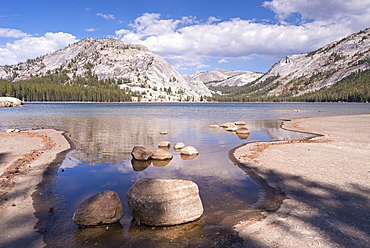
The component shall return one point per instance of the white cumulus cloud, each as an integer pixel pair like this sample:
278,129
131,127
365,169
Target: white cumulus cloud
32,47
11,33
187,42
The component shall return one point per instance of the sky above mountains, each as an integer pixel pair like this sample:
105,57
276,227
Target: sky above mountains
190,34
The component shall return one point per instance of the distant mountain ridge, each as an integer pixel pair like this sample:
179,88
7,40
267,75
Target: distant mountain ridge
339,70
302,73
220,77
129,65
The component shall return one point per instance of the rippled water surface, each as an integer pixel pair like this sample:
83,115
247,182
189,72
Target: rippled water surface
104,135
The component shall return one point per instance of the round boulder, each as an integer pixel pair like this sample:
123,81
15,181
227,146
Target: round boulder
102,208
164,202
141,153
189,150
161,154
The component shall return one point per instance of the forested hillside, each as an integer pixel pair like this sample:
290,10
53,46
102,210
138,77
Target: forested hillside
353,88
55,88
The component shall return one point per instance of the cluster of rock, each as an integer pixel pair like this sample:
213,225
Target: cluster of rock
237,127
143,157
10,102
153,202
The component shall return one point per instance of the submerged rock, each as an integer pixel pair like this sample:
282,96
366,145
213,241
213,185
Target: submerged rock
161,154
141,153
164,202
102,208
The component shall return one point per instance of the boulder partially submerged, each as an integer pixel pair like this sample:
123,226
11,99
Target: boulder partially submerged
102,208
164,202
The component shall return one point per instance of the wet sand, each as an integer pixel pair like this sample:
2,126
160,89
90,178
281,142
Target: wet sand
24,157
326,181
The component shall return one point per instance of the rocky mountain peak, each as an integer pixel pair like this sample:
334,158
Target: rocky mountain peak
301,73
131,65
221,77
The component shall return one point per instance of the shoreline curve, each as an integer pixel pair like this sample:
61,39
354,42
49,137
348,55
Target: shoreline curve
325,179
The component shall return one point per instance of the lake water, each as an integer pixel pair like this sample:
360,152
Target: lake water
104,135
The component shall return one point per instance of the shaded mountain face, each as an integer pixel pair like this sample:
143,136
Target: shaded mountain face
302,73
131,66
222,78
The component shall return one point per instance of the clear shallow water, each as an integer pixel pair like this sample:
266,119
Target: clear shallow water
105,133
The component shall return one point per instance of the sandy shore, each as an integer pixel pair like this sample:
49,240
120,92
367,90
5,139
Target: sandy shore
24,157
326,181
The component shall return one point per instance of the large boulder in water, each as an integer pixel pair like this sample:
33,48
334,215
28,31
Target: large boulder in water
164,202
102,208
141,153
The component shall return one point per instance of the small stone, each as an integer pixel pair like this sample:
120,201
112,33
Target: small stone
141,153
232,128
242,130
240,123
227,124
179,145
189,150
161,154
214,126
164,144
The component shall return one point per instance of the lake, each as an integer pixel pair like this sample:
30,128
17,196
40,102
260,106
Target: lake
104,135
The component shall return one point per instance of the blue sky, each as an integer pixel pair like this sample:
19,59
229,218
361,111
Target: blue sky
191,35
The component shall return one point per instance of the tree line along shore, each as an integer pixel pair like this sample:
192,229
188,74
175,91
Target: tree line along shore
353,88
